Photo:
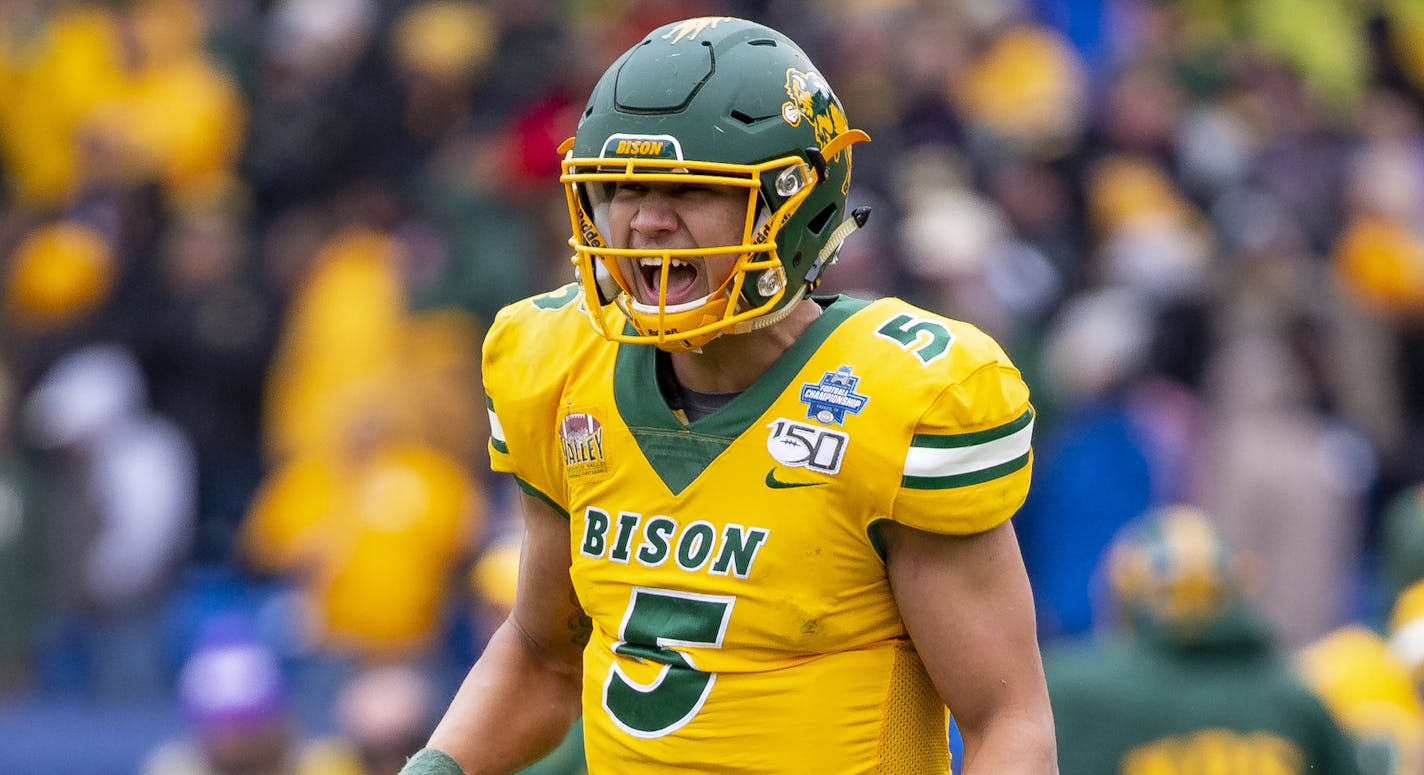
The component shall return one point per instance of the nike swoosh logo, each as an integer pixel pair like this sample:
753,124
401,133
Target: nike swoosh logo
777,484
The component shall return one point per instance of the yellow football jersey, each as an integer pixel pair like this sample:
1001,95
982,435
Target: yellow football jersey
1370,693
742,619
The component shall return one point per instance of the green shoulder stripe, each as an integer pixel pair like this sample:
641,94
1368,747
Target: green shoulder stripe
533,491
941,461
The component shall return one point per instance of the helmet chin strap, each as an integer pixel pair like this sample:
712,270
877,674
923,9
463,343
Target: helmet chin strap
770,318
608,289
858,218
825,258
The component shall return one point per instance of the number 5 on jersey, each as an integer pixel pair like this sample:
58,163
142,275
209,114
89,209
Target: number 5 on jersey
656,620
927,339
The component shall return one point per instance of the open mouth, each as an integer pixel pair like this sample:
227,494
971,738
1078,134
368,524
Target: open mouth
684,281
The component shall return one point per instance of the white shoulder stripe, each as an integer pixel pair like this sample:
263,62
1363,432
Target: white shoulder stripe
957,461
496,430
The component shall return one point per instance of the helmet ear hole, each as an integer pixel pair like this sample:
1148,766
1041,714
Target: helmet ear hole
818,224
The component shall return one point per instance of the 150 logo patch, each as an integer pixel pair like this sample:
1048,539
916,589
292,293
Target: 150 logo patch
801,445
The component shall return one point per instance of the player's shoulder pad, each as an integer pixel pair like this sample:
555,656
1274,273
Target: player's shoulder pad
533,336
970,382
938,342
534,318
940,352
966,410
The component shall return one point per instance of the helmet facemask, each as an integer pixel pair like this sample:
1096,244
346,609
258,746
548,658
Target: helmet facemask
756,283
715,101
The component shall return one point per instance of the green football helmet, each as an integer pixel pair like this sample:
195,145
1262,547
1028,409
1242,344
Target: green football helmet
712,101
1174,568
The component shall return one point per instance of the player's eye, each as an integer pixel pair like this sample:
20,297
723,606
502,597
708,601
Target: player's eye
626,189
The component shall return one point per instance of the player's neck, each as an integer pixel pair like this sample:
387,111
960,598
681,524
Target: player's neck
731,363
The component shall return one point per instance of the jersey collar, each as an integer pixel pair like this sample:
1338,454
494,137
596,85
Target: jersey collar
680,452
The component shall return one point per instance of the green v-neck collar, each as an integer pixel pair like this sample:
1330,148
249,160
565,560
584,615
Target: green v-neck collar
680,453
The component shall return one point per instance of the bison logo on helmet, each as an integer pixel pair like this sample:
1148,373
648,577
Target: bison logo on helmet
811,100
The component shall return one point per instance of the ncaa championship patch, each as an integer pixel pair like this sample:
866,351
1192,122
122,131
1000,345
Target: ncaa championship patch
829,400
581,440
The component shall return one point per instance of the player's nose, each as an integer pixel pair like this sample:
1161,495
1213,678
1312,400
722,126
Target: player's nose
655,214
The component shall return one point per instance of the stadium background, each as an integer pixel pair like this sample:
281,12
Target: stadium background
248,249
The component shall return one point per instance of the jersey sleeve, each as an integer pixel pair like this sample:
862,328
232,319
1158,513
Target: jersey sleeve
969,460
522,394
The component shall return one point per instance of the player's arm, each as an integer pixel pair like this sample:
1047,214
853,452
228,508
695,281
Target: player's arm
522,695
966,603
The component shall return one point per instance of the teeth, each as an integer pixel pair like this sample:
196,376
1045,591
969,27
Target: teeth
655,263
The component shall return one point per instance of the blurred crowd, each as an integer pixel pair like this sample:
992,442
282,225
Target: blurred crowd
248,249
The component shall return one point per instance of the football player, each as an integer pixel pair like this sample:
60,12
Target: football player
764,532
1192,681
1370,677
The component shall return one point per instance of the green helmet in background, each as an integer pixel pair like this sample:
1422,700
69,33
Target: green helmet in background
1172,571
713,101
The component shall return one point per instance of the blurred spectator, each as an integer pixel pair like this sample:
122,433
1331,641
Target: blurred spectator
460,191
373,421
1118,445
386,713
1284,482
1191,680
116,98
440,49
23,560
1027,93
59,274
71,64
204,327
179,120
322,107
372,533
343,334
60,285
1149,236
1377,264
235,701
370,536
960,248
1038,200
123,516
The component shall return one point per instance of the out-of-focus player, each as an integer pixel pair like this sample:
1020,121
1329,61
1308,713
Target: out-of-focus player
1192,681
1370,679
